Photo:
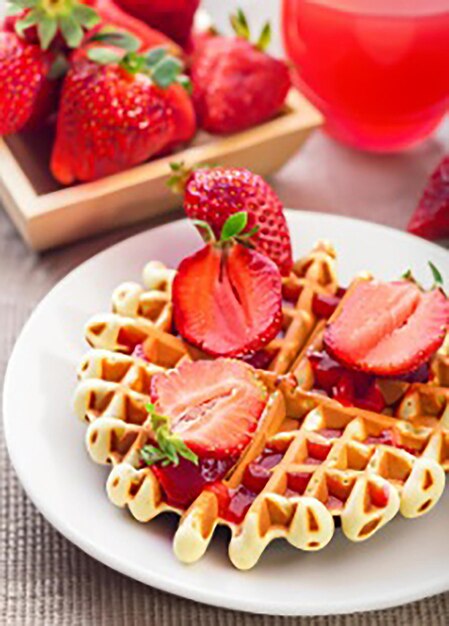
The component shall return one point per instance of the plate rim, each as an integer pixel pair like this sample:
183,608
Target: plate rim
158,580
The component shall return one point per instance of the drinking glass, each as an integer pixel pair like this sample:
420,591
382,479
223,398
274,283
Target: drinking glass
377,69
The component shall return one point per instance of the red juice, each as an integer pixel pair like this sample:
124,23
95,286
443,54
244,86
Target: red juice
377,69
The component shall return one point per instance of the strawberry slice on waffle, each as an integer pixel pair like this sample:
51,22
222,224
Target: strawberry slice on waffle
212,408
387,329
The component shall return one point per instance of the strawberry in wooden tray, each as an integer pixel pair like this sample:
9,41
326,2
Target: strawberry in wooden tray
204,415
227,297
118,109
236,84
387,329
213,194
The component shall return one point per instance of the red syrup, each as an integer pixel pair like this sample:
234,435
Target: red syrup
323,305
259,360
379,495
234,503
349,387
297,483
183,483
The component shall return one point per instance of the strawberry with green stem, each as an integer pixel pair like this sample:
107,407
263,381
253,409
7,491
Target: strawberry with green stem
30,62
237,84
119,109
204,415
227,297
213,194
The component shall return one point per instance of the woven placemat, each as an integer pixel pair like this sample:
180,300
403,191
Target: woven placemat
45,580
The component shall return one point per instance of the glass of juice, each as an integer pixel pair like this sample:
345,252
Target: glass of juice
377,69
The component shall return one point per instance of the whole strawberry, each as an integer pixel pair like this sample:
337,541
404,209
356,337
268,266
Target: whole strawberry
236,84
118,109
172,17
213,194
27,94
431,217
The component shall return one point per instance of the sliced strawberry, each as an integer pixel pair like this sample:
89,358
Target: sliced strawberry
214,406
228,302
431,217
388,329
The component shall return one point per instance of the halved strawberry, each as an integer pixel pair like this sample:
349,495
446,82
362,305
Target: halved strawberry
388,329
214,406
228,301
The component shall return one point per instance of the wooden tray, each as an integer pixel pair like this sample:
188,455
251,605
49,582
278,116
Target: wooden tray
48,215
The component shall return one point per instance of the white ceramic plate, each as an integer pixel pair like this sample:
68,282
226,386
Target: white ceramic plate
403,562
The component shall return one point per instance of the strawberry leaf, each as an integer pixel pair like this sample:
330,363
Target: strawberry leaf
438,282
12,10
86,16
170,446
155,55
264,38
250,233
408,275
119,39
234,225
166,71
133,63
185,82
71,30
46,30
104,56
31,19
23,4
240,25
207,233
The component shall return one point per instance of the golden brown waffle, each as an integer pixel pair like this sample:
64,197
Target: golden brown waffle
370,466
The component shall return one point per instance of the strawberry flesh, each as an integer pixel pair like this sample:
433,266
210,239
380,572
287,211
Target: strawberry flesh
349,387
213,194
228,302
431,217
388,329
214,406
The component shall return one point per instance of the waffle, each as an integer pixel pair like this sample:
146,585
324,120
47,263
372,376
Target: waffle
327,461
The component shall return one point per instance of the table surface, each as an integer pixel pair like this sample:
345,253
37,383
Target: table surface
46,580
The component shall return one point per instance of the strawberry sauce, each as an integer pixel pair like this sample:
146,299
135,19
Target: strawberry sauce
234,503
183,483
324,305
349,387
